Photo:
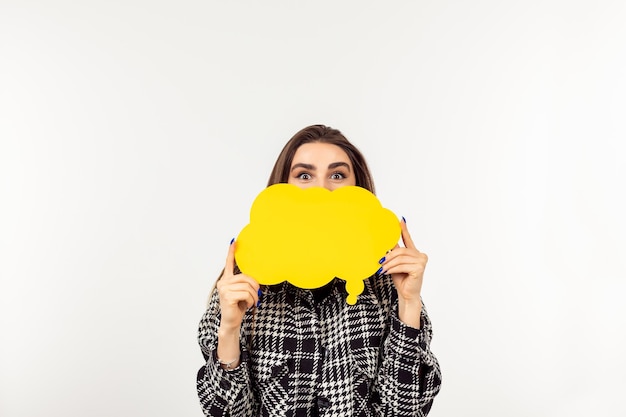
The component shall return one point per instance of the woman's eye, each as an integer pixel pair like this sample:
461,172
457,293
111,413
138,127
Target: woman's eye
304,176
337,176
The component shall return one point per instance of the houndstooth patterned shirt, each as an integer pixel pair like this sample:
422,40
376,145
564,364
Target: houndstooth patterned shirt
306,355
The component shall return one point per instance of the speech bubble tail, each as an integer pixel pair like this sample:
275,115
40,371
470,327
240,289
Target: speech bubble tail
354,287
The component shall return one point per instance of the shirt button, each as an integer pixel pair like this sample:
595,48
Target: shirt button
322,402
325,354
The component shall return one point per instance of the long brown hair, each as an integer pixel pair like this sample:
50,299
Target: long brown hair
323,134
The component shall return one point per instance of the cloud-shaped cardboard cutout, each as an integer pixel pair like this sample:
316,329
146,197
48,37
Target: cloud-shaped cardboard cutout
309,236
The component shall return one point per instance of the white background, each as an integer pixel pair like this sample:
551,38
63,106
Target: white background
134,136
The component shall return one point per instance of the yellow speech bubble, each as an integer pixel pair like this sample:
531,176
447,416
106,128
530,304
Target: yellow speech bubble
309,236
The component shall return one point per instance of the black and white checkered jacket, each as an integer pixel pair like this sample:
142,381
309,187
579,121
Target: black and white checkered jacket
302,357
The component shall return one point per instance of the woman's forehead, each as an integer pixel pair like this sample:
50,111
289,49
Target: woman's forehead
322,153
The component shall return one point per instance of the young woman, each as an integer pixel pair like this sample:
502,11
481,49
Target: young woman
284,351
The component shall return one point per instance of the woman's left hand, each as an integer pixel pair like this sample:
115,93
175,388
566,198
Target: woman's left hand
406,266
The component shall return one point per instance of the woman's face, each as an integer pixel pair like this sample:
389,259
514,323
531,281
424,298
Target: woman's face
322,165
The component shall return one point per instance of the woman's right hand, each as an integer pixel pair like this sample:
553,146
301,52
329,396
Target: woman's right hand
237,292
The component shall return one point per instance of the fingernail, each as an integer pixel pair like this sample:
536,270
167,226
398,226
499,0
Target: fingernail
231,242
258,303
403,219
382,260
379,271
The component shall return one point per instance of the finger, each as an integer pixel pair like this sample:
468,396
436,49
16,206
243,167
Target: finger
230,258
237,297
400,251
240,287
391,254
406,236
411,269
405,259
240,278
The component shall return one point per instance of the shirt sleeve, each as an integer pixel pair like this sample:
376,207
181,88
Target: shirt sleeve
410,376
221,392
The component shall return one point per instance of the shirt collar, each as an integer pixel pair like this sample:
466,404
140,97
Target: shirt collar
337,294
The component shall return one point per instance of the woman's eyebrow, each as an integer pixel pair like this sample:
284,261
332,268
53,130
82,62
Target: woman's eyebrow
338,164
305,166
312,167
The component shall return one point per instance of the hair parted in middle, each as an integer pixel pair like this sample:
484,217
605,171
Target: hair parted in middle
323,134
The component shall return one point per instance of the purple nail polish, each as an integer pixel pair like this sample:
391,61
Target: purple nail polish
382,260
403,219
231,242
